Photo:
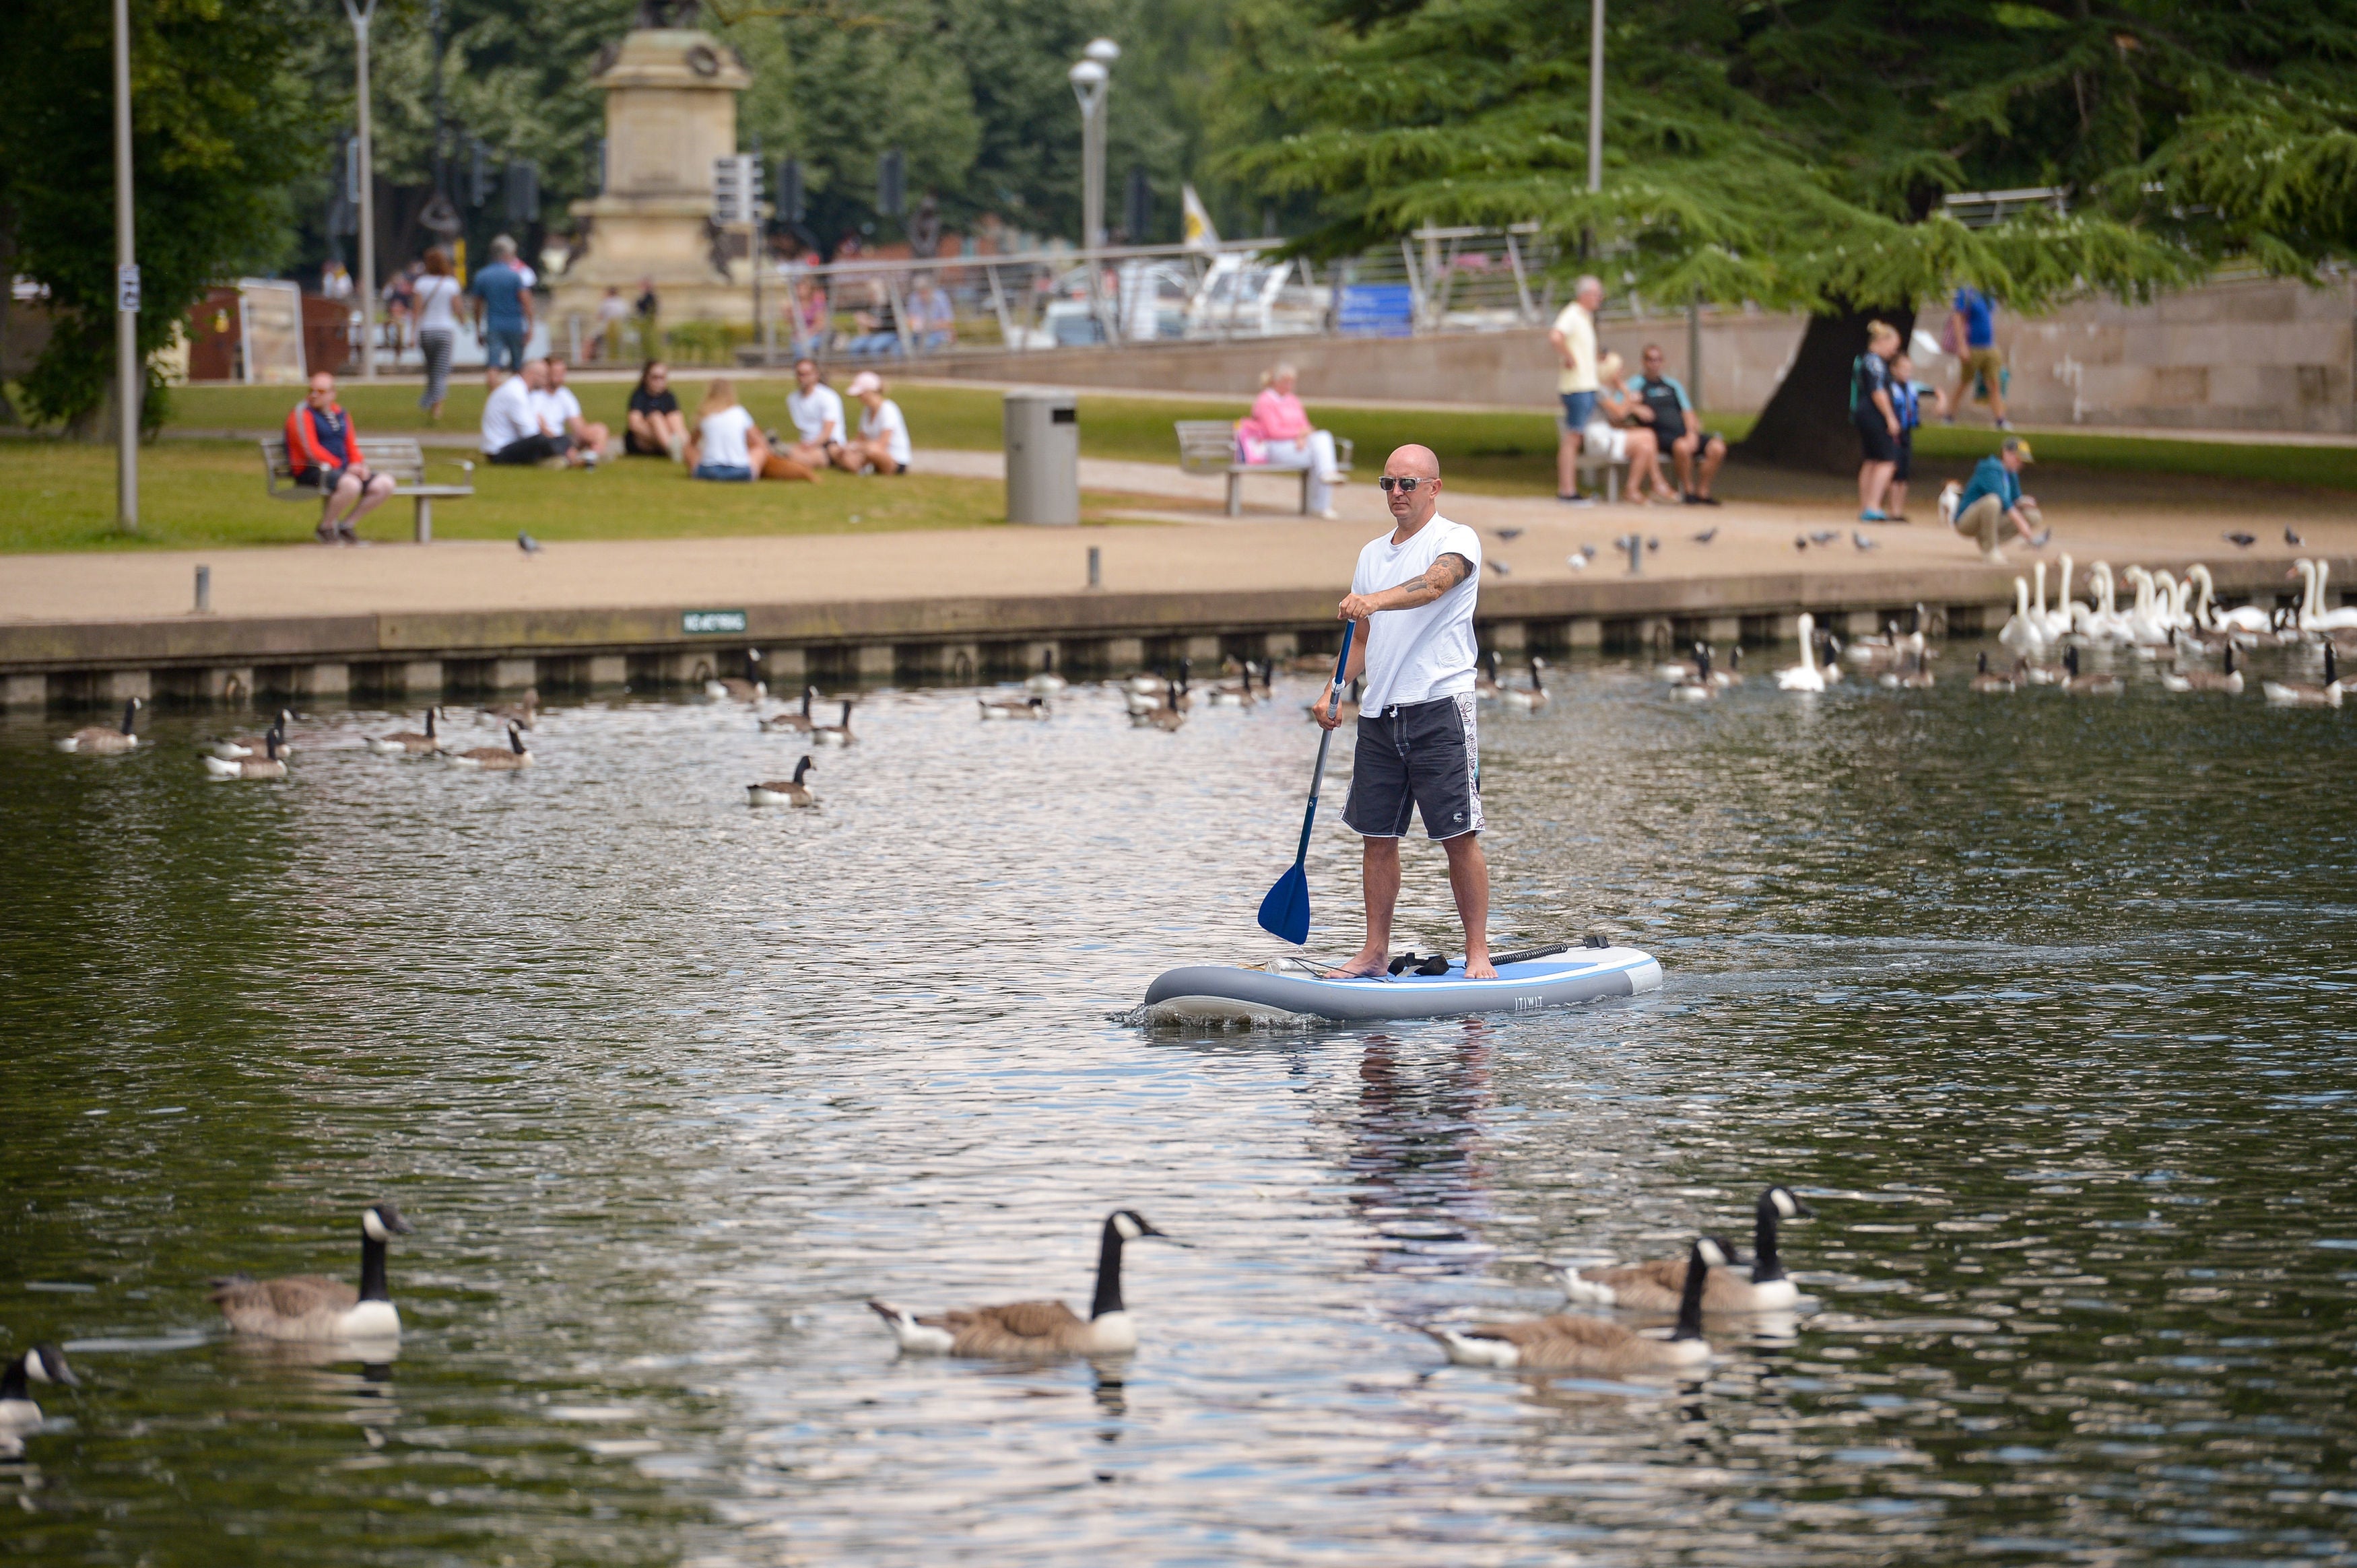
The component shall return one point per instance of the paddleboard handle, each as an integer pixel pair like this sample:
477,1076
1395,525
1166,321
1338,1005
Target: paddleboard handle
1325,738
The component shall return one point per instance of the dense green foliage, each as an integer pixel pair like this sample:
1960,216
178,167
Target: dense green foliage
218,125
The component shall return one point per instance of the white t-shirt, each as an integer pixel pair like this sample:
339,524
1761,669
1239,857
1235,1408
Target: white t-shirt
813,412
554,408
724,443
1414,656
509,415
435,294
887,421
1578,330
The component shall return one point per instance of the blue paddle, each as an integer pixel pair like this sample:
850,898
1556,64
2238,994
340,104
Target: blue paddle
1285,911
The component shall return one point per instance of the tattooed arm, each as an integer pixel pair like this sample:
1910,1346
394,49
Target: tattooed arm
1443,574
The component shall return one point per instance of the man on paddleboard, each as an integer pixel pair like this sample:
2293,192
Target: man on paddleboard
1412,598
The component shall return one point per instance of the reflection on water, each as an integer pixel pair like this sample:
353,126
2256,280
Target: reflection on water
2043,1005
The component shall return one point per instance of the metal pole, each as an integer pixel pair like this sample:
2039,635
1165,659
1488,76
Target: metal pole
128,380
1595,95
1694,351
362,16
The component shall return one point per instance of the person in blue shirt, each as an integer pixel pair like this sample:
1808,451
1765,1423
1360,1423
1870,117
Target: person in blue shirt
1980,369
1993,503
1907,397
1662,403
503,308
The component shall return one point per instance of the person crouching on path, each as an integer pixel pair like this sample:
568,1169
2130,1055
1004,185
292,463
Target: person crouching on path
1412,598
323,451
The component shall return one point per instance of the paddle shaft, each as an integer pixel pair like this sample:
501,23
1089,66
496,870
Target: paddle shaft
1325,740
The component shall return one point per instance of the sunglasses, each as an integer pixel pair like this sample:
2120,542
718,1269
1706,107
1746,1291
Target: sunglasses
1405,487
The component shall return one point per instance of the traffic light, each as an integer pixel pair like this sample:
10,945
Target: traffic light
892,184
789,190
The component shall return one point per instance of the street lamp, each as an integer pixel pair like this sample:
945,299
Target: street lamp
1596,96
130,376
1091,77
361,16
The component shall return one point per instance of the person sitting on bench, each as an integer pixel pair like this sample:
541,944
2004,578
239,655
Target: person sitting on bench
322,450
513,433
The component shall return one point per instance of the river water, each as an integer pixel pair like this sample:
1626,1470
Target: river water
2044,1004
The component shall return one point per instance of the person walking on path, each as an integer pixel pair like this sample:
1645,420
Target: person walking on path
503,308
1574,338
1972,338
1412,598
1993,503
324,451
436,314
1293,441
1877,418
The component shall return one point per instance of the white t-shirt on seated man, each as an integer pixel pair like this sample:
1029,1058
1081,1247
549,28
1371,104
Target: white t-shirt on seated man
1414,656
509,415
817,414
554,408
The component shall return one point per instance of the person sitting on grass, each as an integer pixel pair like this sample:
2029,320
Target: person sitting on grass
883,445
1666,410
726,445
323,451
817,414
513,433
655,427
1993,503
559,412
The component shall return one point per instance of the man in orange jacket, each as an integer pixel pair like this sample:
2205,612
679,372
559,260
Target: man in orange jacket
323,450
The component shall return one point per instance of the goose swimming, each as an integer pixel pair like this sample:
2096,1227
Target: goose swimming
1033,1329
103,740
1658,1286
315,1307
1565,1343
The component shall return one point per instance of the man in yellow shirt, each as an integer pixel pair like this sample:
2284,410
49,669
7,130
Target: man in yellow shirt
1574,338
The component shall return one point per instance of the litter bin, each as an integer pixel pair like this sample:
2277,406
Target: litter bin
1043,457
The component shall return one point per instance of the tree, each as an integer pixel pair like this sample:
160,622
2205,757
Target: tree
215,134
1794,154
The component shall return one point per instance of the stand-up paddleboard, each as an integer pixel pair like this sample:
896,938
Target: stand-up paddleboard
1291,990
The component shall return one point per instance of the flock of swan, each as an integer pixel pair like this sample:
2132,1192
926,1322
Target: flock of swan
318,1309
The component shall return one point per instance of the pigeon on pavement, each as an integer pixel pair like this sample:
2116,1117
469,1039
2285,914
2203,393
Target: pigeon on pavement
1652,545
1800,541
1824,536
2291,535
1575,561
527,543
1862,541
1500,567
1507,533
2242,540
1705,536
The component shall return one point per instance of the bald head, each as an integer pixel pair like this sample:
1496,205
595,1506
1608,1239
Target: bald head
1420,461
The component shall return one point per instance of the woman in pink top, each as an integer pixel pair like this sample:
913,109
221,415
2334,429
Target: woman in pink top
1292,443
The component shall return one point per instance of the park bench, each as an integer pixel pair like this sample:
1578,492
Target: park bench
1209,446
403,461
1615,469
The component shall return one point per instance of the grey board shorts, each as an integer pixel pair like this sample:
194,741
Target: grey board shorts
1425,756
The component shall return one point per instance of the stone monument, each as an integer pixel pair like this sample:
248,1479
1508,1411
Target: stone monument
671,109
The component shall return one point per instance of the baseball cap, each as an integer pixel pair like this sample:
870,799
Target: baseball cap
2015,443
866,381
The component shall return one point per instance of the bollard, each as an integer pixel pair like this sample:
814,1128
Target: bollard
1097,567
204,590
1636,549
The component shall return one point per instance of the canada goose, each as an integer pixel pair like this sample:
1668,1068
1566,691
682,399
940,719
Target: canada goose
41,1364
313,1306
1805,676
2301,695
2229,682
270,765
1910,674
497,759
1033,1328
1033,707
1656,1286
1565,1343
1486,685
836,734
783,791
1697,687
408,742
1536,697
1237,693
747,690
229,748
2080,685
1986,679
102,741
1166,718
1183,698
1047,682
1140,703
799,724
520,711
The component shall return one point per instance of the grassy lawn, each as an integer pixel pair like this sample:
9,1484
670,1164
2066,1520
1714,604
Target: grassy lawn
1512,453
58,496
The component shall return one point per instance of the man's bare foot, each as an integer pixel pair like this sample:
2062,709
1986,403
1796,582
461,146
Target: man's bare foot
1365,964
1480,968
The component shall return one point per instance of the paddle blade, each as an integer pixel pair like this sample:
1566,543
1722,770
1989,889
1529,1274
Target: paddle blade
1284,913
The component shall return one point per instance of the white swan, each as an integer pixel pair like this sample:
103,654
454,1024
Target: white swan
2023,632
2248,619
2059,621
1805,676
2313,615
2105,623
